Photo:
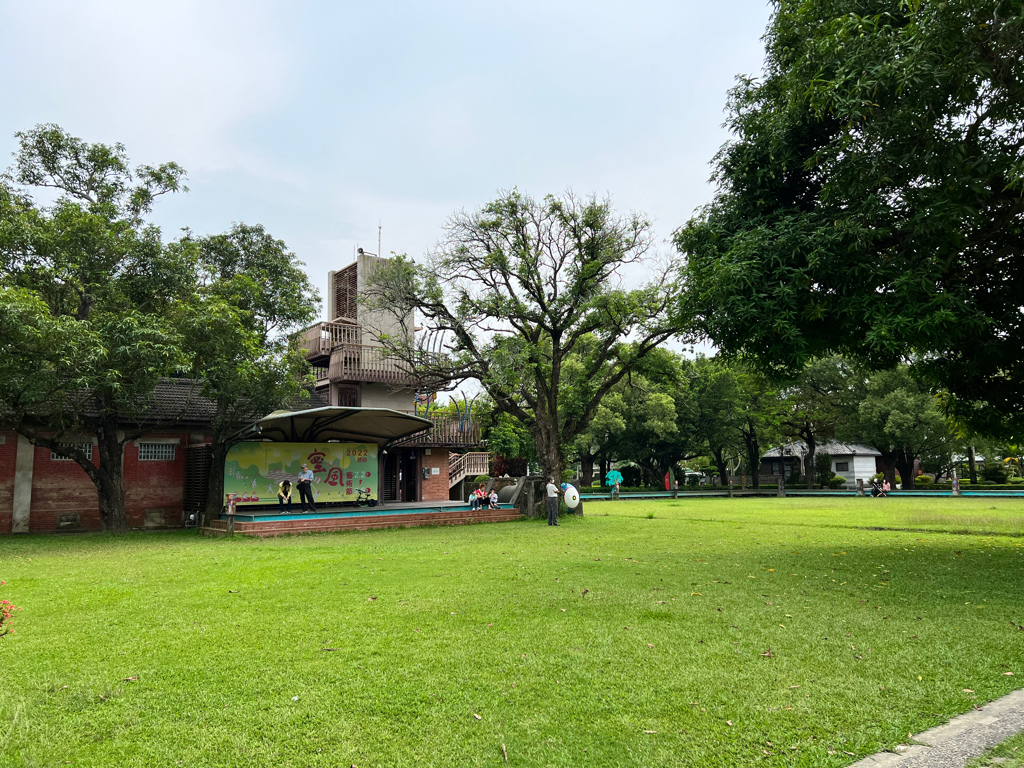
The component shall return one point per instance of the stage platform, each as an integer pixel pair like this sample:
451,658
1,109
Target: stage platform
270,522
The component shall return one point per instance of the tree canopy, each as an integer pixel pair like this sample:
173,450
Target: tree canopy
91,296
95,308
516,290
872,201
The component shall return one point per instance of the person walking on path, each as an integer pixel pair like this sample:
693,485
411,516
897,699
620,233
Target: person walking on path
552,493
284,494
306,488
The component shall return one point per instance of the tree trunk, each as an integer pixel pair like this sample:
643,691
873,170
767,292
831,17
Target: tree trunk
723,467
109,478
809,465
905,464
586,469
215,487
753,455
604,468
549,449
972,465
888,461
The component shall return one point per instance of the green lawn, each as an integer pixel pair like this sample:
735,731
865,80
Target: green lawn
1009,754
717,633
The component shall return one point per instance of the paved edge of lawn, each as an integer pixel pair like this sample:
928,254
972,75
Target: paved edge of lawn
953,744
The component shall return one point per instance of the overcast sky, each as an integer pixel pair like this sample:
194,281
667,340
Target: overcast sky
320,120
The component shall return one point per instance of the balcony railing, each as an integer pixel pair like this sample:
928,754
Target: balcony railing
320,339
363,363
447,431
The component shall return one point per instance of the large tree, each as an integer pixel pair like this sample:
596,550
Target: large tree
515,290
817,402
900,419
252,296
89,297
872,201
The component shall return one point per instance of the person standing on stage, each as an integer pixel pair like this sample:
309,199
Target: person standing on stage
306,488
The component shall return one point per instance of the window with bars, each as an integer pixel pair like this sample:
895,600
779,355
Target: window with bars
842,466
85,448
156,451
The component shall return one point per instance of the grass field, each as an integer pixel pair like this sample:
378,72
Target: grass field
715,633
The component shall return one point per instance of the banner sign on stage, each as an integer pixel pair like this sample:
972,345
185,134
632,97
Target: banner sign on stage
253,470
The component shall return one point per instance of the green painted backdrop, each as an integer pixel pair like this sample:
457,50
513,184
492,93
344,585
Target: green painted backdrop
253,470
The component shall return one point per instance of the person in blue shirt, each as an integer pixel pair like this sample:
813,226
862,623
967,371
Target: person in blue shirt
306,488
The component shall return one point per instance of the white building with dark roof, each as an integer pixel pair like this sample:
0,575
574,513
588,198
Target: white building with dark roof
851,460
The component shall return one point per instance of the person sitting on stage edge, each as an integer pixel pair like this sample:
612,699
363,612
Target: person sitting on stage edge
284,494
306,488
476,498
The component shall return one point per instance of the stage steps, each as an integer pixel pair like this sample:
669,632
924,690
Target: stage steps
278,525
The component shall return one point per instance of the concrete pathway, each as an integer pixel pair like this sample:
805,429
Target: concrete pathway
963,737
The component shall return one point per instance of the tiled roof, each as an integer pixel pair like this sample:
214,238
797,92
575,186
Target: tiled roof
180,401
831,447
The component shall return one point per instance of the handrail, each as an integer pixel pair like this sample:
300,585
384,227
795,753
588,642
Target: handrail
319,339
463,465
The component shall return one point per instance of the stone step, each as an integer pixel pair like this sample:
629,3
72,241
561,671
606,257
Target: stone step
324,525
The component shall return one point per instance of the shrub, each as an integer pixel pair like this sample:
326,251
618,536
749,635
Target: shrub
836,481
880,476
823,473
995,471
482,478
7,609
513,466
923,480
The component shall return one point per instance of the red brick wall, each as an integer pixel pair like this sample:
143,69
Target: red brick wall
62,488
8,457
155,487
435,487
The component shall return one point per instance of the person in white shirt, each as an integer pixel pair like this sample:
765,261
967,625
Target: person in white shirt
306,488
552,492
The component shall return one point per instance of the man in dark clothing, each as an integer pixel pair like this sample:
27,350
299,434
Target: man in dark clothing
306,489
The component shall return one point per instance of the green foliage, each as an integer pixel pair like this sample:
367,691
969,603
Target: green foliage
95,309
482,478
513,466
525,296
995,471
89,297
504,434
823,469
924,480
870,201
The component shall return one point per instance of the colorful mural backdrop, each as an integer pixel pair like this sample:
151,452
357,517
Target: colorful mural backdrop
253,470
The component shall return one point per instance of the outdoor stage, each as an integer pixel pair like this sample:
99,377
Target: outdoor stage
270,522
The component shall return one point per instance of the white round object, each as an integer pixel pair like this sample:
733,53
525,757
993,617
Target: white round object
572,497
